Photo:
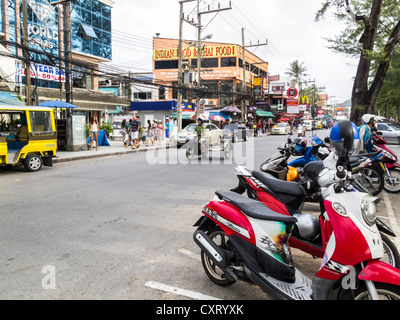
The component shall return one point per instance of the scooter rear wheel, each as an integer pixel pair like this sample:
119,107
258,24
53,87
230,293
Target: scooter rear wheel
215,274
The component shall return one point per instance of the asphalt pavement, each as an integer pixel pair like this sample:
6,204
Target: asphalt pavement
388,208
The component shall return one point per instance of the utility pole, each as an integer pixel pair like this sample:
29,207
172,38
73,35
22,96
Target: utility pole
180,82
28,88
244,108
199,29
67,50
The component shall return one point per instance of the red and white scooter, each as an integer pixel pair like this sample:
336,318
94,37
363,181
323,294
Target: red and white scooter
241,238
388,164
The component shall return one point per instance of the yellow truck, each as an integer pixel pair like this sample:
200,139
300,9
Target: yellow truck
28,136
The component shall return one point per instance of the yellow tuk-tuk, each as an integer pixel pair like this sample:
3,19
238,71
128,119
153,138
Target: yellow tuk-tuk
27,136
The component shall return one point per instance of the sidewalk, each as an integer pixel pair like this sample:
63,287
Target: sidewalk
116,148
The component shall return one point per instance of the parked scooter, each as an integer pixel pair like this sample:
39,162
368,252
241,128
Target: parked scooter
242,238
370,179
290,197
318,151
388,164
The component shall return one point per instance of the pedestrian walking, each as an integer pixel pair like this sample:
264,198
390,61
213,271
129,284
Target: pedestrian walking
124,133
149,134
259,128
170,130
94,132
160,131
154,131
134,132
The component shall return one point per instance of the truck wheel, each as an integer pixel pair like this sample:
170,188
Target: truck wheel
33,163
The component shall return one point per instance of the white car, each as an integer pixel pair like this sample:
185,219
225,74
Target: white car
212,133
281,128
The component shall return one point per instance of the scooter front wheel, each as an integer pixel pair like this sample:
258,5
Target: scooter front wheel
385,292
392,184
214,273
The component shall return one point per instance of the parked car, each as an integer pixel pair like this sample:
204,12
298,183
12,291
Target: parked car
281,128
235,132
211,132
390,131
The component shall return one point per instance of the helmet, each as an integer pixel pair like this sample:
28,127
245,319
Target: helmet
343,136
367,118
307,226
300,146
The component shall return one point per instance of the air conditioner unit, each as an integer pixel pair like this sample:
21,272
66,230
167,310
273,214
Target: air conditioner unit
211,103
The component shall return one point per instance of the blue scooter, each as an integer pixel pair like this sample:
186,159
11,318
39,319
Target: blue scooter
318,151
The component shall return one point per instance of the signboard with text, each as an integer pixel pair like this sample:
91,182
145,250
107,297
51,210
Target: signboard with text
43,72
190,53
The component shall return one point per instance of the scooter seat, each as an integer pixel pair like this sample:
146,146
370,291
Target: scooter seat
280,186
254,208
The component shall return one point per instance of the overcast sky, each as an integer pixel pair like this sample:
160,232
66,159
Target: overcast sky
288,25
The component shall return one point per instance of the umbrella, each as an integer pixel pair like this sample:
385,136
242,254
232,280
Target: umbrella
217,118
230,109
202,117
57,104
283,119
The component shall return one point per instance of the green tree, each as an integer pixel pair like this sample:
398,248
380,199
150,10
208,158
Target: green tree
372,33
296,71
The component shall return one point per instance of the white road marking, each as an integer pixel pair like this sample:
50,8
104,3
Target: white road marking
179,291
392,219
190,254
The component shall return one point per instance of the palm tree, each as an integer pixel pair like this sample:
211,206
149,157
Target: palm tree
296,71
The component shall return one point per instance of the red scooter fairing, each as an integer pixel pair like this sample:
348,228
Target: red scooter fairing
230,219
379,271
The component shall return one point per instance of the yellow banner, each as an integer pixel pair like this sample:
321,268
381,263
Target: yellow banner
191,53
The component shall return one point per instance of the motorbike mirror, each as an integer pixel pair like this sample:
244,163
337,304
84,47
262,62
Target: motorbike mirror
289,140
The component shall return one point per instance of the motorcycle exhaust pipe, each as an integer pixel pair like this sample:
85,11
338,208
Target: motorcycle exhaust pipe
218,255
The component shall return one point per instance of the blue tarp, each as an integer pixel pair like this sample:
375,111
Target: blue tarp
102,140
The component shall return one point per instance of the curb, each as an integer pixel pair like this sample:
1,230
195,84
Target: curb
101,155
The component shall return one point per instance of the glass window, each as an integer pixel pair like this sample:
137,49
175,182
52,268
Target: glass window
209,63
166,64
41,122
228,62
211,88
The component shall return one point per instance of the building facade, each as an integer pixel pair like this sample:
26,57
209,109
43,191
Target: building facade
91,43
221,71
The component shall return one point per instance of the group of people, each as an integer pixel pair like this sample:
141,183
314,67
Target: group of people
133,133
260,127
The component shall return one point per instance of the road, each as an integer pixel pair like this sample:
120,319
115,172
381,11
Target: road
118,227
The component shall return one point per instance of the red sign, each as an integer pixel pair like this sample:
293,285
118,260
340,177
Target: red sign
292,102
321,111
292,92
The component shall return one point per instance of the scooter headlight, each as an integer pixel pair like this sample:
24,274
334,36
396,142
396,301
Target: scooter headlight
368,209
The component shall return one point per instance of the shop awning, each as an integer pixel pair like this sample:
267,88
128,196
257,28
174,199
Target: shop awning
7,98
88,30
185,116
262,113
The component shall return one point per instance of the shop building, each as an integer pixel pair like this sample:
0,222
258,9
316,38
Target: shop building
91,44
221,72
